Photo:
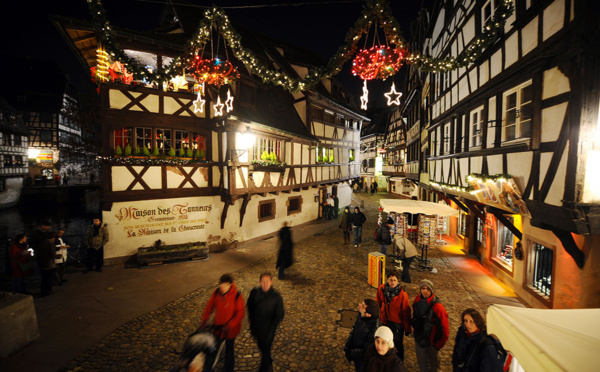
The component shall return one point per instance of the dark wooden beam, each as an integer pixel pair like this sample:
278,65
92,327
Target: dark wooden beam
224,215
475,209
506,222
243,208
444,197
570,246
458,202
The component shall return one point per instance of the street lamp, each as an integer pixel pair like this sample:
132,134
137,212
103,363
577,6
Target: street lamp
244,141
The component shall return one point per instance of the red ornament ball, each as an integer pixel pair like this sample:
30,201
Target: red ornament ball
378,62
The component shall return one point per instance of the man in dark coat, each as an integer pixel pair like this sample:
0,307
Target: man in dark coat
285,256
362,334
38,239
265,312
358,219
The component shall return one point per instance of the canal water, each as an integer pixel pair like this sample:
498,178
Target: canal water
75,216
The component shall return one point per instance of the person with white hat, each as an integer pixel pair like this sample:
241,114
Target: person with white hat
382,356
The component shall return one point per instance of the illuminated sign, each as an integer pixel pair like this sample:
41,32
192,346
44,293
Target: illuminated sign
501,193
44,156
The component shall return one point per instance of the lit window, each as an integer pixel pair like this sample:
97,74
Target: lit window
163,141
504,251
539,273
462,224
476,120
122,137
143,138
269,146
480,232
517,111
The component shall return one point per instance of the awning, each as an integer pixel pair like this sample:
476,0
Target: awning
397,179
417,206
548,340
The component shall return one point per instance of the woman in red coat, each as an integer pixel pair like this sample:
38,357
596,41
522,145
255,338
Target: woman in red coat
228,306
20,263
395,309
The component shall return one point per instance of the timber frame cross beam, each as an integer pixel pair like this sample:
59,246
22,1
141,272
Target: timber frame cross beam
506,222
570,246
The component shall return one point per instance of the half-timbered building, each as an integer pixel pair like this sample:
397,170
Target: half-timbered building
372,149
14,167
228,193
513,142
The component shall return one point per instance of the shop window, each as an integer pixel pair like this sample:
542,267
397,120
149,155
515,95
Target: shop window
294,205
540,269
122,137
462,224
182,139
517,109
504,251
480,231
266,210
268,145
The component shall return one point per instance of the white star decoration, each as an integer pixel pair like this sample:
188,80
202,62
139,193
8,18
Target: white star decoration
396,96
229,101
364,99
218,107
199,103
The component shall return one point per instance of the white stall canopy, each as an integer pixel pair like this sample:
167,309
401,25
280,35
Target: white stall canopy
548,340
417,206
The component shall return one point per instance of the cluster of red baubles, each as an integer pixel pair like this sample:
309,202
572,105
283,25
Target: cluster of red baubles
214,71
378,62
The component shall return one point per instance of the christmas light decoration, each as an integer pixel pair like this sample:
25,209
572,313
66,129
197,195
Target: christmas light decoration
229,101
364,99
393,97
179,82
378,62
218,106
199,103
101,74
214,71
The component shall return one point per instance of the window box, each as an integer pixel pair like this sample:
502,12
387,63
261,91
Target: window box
169,253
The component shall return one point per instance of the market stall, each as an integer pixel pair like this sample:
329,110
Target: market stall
547,339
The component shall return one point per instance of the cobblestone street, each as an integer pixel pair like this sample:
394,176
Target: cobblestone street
327,277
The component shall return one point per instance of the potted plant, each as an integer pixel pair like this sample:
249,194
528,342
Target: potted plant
127,152
189,153
118,151
181,153
156,153
199,155
171,152
146,151
160,252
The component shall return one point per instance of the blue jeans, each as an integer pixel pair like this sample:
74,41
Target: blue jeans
357,234
384,248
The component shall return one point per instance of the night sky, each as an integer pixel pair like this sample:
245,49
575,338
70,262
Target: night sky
316,25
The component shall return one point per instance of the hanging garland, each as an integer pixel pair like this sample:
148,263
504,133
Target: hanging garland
215,17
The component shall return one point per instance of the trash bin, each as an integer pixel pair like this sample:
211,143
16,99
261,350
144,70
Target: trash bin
376,273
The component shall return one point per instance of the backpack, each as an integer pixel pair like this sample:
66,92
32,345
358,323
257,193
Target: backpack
501,353
423,325
377,234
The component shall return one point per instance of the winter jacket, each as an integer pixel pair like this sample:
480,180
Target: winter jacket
346,221
389,362
358,218
405,246
46,255
229,311
265,312
361,337
37,240
97,241
439,337
397,311
19,255
285,257
464,346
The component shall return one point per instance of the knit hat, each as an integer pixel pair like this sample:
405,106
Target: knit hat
386,334
372,308
427,283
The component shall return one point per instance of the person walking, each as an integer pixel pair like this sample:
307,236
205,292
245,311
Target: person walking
228,305
395,309
330,207
336,206
473,350
265,312
346,224
407,252
375,186
385,236
430,327
61,257
285,257
46,256
358,220
362,334
95,239
381,356
21,263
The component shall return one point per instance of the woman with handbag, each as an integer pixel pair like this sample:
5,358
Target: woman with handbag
21,263
395,309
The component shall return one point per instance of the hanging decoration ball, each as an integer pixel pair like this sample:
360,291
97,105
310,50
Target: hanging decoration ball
214,71
378,62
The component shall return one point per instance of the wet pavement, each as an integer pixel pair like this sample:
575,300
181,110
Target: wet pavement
137,319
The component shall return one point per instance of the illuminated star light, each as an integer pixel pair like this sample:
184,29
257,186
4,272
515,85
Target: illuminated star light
229,101
393,93
364,99
218,107
199,103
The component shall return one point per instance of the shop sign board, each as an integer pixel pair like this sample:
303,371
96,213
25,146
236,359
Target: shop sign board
501,193
45,156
